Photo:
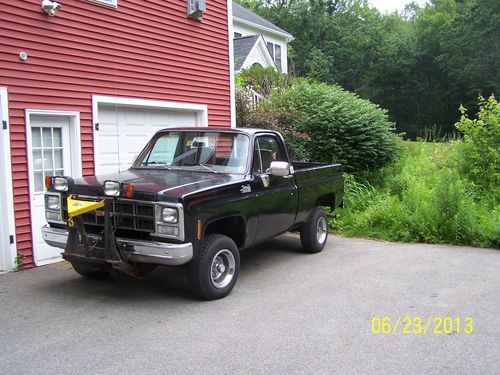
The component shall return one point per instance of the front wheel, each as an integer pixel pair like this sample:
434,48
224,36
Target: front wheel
314,232
214,273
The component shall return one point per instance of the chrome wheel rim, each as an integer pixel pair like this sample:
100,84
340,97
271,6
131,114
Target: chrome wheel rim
222,269
321,230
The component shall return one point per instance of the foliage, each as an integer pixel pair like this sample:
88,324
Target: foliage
280,120
420,198
419,65
267,81
319,121
342,127
263,80
277,119
480,151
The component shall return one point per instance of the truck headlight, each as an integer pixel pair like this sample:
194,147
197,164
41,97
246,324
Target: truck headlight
111,188
169,215
53,202
169,221
61,183
53,207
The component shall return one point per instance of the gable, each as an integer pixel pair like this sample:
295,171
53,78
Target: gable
250,50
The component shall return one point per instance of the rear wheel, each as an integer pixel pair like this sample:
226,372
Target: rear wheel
314,233
214,273
89,270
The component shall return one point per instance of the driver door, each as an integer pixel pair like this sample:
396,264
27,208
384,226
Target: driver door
277,203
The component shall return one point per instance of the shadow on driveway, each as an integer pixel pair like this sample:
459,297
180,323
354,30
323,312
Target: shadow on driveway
166,282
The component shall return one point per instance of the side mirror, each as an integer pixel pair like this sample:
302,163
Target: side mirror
279,168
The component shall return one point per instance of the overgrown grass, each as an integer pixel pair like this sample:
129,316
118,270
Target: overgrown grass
420,198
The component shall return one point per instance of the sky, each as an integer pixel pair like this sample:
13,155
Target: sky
392,5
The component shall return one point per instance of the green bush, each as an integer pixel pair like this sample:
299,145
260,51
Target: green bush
320,122
266,81
263,80
420,198
342,128
479,153
275,119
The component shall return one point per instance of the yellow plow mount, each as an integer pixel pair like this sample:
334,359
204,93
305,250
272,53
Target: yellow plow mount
77,207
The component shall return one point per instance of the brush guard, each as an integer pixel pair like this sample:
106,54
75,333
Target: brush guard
77,236
131,256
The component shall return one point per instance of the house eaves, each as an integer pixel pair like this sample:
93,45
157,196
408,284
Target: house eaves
247,17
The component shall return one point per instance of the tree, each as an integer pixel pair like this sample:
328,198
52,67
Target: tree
420,65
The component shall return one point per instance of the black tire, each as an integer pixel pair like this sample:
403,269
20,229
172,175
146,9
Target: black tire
314,233
89,270
214,273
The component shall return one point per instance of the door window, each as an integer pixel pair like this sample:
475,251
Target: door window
267,149
47,154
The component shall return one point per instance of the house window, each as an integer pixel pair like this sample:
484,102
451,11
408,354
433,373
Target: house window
275,52
277,56
238,35
47,151
270,47
111,3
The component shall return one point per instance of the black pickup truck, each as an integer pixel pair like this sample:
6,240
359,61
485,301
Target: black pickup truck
192,197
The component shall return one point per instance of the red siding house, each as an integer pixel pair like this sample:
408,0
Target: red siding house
82,91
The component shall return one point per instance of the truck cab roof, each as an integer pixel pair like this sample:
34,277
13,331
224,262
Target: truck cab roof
248,131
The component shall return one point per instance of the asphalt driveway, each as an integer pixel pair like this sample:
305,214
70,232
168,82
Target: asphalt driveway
289,313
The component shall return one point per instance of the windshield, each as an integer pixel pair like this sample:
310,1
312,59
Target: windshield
197,150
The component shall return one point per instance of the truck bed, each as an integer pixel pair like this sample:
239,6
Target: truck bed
318,185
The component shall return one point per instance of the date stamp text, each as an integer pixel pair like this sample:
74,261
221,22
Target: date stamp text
434,325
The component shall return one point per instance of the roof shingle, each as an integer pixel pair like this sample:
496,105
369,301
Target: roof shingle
242,47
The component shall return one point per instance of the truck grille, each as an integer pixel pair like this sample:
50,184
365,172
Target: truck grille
125,215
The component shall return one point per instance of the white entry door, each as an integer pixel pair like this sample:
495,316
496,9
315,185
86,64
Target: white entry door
50,155
125,130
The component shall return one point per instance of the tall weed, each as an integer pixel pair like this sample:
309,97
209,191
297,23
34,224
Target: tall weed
420,198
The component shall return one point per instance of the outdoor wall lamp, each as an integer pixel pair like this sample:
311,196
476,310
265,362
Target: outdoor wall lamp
50,7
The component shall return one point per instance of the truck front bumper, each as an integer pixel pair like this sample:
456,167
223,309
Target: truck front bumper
138,251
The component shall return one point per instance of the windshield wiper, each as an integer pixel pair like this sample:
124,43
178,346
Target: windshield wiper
206,167
153,163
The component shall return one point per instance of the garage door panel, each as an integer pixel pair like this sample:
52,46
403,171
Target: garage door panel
124,131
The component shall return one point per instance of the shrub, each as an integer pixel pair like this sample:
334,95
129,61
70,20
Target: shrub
278,120
266,81
263,80
319,122
342,127
479,153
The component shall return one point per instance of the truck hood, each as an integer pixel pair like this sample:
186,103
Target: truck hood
156,184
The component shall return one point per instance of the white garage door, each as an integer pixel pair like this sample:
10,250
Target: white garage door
125,130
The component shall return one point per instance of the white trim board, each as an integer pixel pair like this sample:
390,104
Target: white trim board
75,137
200,109
8,259
230,30
75,144
288,37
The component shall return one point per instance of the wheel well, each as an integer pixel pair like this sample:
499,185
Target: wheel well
326,200
233,227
